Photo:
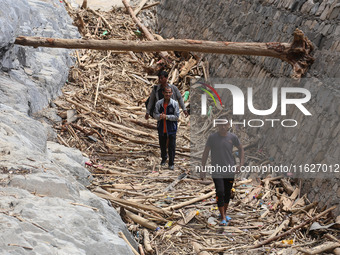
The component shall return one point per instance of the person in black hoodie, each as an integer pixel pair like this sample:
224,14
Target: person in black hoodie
167,114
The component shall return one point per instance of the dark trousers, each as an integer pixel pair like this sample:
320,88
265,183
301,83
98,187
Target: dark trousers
223,190
171,147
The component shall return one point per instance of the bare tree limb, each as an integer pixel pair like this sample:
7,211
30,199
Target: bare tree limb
148,35
292,229
297,53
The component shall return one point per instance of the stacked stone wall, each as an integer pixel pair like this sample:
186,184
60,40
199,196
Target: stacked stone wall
317,138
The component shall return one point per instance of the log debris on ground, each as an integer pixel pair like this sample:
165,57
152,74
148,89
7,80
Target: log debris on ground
171,212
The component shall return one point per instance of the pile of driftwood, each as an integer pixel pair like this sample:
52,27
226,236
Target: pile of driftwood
171,212
104,97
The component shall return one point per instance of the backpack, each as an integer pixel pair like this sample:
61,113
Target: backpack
154,104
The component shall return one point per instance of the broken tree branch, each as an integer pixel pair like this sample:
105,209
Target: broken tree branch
141,251
139,7
150,5
305,208
114,99
182,222
283,226
287,186
148,35
326,247
132,209
83,107
103,194
121,235
147,243
180,205
197,249
103,19
297,53
120,127
141,221
173,184
292,229
332,238
97,88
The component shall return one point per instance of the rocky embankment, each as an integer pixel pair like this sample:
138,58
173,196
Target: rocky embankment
44,204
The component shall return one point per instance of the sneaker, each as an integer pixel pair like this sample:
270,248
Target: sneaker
171,167
163,162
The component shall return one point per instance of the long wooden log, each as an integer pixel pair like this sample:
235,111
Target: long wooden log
297,53
232,48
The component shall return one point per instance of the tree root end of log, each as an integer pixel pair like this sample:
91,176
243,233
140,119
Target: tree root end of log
299,55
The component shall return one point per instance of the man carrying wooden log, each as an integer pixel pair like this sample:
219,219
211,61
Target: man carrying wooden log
157,94
167,114
223,167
